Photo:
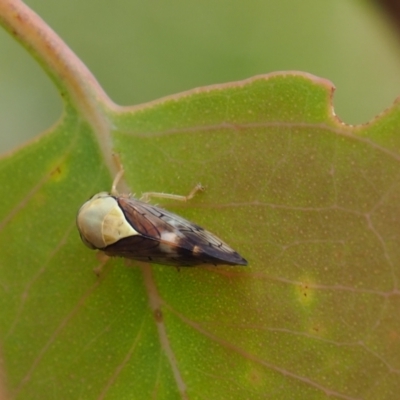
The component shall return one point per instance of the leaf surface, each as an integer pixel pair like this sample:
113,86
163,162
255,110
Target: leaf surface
311,203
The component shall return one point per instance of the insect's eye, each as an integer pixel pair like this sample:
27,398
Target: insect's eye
88,244
99,196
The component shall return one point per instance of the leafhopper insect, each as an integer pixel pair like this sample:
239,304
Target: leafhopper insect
121,225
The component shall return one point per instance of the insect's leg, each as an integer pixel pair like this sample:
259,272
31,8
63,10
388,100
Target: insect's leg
97,271
103,258
148,195
119,175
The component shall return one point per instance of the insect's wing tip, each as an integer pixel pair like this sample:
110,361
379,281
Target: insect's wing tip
234,259
242,261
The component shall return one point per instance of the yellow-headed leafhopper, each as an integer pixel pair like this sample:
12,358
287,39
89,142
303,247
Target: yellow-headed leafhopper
121,225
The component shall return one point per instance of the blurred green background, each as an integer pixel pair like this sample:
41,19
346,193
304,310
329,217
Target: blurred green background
140,51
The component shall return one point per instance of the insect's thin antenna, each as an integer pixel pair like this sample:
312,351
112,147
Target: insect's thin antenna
148,195
119,175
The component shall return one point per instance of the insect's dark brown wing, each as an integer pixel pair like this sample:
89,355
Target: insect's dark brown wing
146,249
166,238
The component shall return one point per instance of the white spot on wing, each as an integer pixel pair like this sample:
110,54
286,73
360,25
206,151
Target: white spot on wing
170,237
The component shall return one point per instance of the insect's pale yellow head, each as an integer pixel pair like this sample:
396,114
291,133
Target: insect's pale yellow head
101,222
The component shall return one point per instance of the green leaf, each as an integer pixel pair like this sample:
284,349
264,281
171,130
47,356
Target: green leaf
312,204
